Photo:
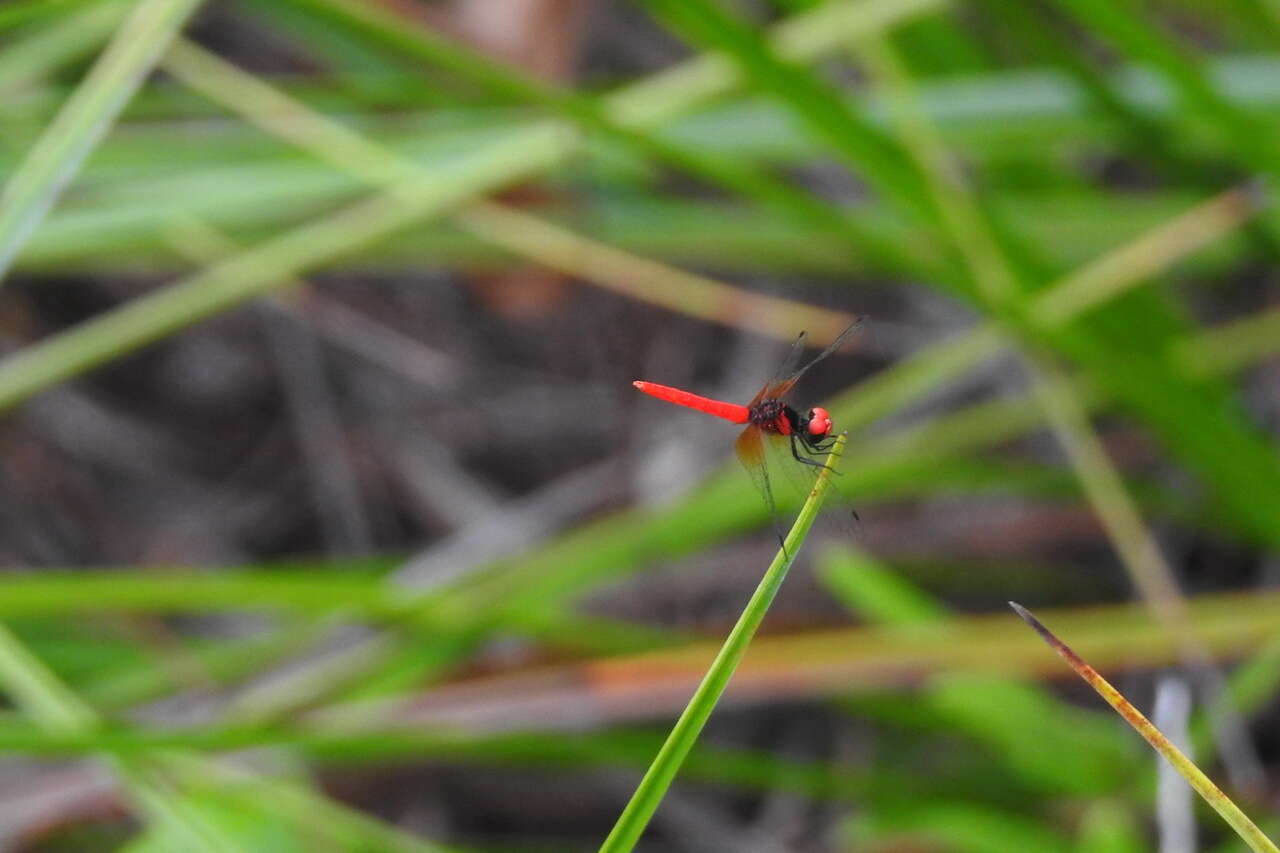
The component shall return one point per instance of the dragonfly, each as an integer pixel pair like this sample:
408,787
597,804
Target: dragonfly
769,418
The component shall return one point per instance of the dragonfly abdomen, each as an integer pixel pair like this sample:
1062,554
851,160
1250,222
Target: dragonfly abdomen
729,411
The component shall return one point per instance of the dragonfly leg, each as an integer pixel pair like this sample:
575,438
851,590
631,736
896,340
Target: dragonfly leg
795,453
820,446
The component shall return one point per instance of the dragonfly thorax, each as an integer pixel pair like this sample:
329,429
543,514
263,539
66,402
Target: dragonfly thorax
773,415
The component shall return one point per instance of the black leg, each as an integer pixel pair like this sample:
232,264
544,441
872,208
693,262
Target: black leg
805,459
821,445
816,449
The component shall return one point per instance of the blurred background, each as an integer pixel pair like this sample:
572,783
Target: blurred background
331,521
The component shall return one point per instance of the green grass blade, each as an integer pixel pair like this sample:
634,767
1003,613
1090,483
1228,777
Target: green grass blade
37,690
1122,25
262,268
63,41
657,99
873,591
56,156
57,710
952,825
504,226
635,817
1224,447
520,155
280,798
611,117
18,12
862,147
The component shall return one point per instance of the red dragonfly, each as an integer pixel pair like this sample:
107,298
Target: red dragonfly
768,414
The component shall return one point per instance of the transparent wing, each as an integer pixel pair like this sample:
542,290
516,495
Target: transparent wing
788,367
791,363
791,374
791,370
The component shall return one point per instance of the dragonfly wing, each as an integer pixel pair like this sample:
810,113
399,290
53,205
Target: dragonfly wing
753,452
791,482
784,382
788,367
792,370
784,483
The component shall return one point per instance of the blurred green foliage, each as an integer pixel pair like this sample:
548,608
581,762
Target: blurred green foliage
1003,153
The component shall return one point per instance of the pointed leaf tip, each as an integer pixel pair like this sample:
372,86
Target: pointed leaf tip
1026,616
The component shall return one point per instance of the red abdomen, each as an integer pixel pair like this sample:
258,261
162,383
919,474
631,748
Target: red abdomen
729,411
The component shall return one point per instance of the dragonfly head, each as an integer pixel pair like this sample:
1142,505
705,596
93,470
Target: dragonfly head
819,422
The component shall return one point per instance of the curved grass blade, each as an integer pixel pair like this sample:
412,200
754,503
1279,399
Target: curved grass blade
657,779
1211,793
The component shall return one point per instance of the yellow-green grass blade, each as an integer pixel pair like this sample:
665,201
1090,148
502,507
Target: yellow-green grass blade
814,662
662,97
1211,793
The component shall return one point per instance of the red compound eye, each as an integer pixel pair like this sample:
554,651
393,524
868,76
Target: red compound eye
819,422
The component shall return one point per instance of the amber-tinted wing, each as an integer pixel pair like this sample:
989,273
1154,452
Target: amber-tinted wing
783,483
751,449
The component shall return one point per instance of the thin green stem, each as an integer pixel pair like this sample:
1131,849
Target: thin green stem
635,817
